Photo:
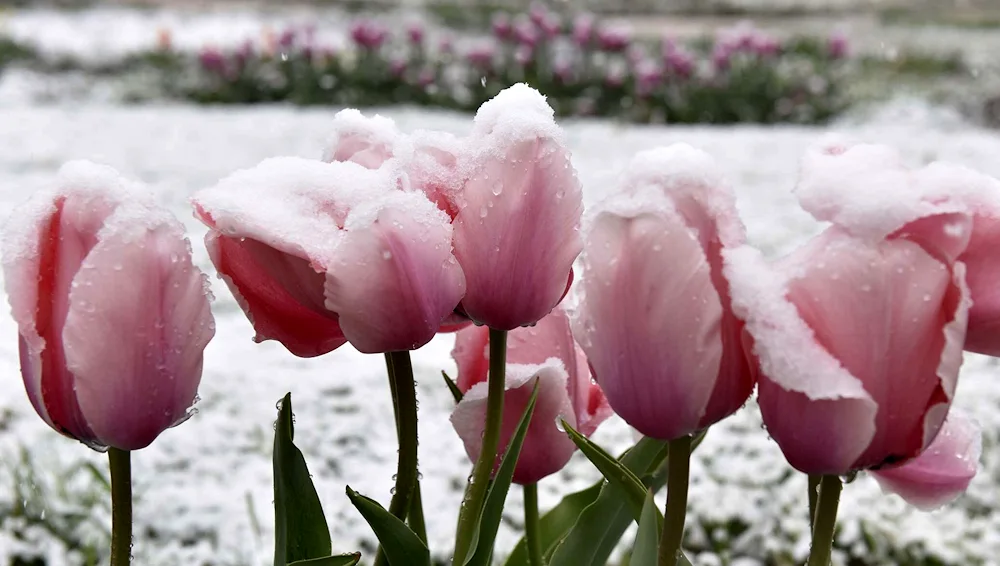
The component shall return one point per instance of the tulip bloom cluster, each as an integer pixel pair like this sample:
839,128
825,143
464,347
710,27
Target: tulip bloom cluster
854,341
585,66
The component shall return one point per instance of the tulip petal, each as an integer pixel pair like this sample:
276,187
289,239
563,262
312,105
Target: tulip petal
280,293
138,322
44,244
546,449
516,230
394,280
650,320
943,471
884,313
982,275
369,142
818,413
868,191
471,353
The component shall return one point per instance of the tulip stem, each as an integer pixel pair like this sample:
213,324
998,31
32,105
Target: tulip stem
404,398
121,506
814,480
475,492
825,521
532,536
678,471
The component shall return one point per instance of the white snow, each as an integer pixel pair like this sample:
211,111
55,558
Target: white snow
204,488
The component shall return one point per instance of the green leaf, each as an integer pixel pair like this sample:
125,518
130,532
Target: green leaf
402,546
339,560
554,525
453,387
611,469
300,529
644,553
598,529
489,521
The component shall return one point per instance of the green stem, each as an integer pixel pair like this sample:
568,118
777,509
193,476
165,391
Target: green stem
532,535
415,518
825,521
475,492
678,471
121,506
813,497
404,397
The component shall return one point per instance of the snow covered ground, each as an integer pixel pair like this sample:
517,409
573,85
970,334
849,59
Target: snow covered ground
204,488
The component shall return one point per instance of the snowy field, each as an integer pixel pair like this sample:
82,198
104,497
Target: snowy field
204,488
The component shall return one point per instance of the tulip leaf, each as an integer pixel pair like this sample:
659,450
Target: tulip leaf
453,387
611,469
553,525
489,521
300,529
339,560
644,552
402,546
597,530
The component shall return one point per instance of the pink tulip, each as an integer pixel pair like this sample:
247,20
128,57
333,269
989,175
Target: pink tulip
982,275
545,352
614,40
655,316
112,315
838,46
502,28
583,30
519,211
318,254
430,157
369,142
943,471
837,180
859,333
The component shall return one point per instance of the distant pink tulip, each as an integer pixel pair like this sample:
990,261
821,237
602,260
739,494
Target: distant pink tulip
415,33
516,232
112,316
369,34
655,317
614,40
940,473
481,56
838,46
526,34
583,30
547,352
318,254
502,28
859,338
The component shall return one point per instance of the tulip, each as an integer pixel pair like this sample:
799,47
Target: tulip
502,28
366,141
518,212
836,183
982,274
547,352
112,316
655,317
583,30
318,254
614,40
859,341
943,471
